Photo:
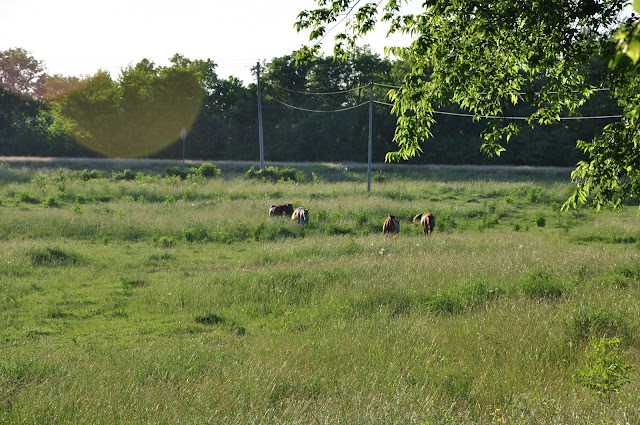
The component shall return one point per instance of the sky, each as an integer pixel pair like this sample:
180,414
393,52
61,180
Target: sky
79,37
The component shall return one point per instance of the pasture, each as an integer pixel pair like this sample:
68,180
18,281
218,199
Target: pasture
130,296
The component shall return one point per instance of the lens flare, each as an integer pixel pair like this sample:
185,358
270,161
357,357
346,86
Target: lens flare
131,119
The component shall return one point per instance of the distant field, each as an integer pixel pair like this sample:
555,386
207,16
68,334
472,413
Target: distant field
141,291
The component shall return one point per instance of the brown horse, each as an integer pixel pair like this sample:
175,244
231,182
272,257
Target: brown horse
279,210
391,225
428,222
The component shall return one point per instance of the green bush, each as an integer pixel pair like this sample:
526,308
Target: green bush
197,234
275,174
586,323
209,170
460,298
51,202
605,371
540,284
361,218
51,257
125,175
25,197
86,175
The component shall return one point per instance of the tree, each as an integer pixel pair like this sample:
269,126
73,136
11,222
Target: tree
139,114
21,109
21,85
487,56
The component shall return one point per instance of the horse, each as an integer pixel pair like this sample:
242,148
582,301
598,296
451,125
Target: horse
301,215
428,222
391,225
279,210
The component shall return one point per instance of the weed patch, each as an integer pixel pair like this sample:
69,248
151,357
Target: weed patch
461,298
587,323
275,174
52,256
540,285
213,319
129,284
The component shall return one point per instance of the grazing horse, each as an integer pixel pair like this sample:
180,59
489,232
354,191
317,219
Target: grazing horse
301,214
391,225
428,222
278,210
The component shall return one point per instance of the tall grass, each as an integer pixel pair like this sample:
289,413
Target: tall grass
164,300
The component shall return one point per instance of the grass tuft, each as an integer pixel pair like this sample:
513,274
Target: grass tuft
51,256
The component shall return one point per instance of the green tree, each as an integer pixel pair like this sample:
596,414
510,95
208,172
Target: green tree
90,112
139,114
487,56
23,115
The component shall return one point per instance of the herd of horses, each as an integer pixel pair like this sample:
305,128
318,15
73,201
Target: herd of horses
390,226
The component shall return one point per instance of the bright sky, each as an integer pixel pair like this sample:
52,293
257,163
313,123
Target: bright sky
78,37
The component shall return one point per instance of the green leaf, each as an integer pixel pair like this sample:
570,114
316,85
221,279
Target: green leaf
633,50
636,5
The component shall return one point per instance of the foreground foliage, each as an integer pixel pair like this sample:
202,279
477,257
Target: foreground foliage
487,57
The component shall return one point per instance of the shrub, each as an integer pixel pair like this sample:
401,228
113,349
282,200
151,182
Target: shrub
209,170
337,229
125,175
165,242
586,323
209,319
175,171
86,175
379,177
51,202
129,284
51,257
535,194
213,319
541,221
460,298
27,198
321,215
540,284
605,371
361,218
275,174
444,221
197,234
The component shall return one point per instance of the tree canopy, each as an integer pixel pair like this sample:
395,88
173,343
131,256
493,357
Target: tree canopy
488,56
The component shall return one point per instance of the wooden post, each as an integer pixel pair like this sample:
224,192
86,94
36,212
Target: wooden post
260,133
370,136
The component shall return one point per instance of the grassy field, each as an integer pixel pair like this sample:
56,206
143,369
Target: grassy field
133,294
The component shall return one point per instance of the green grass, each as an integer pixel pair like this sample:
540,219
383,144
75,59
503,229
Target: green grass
168,300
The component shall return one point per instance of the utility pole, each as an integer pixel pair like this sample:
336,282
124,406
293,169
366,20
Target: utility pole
370,136
260,133
183,136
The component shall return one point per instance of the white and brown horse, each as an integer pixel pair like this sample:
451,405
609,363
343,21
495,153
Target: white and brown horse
427,221
301,215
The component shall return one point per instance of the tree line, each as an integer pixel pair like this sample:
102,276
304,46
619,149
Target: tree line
316,111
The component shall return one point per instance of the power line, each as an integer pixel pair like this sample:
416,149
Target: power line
522,93
458,114
315,93
319,110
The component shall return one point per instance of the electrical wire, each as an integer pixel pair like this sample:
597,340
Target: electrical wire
315,93
458,114
521,93
319,110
